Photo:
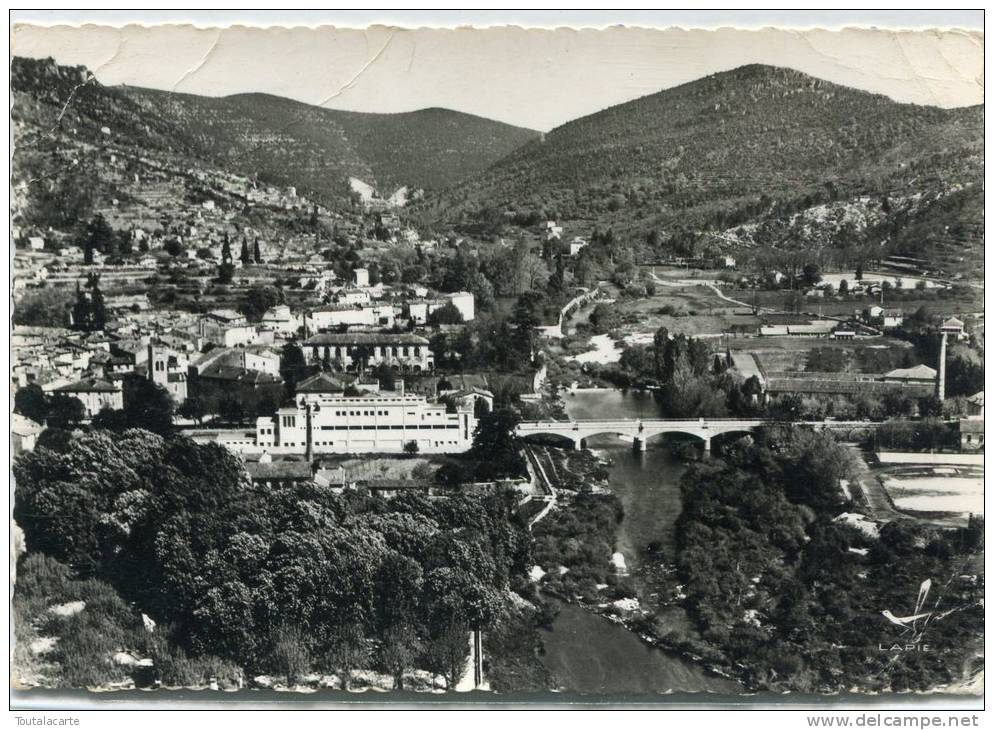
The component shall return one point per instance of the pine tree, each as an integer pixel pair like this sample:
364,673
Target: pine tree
256,254
98,309
226,251
246,259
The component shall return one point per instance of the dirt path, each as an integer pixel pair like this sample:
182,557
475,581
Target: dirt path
875,497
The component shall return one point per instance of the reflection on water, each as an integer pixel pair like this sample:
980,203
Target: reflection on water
605,403
586,652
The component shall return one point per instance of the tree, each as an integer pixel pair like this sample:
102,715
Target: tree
843,288
605,318
98,309
194,407
447,652
258,300
245,257
293,366
386,376
226,251
495,444
232,410
31,402
446,314
411,448
348,650
65,411
225,273
256,254
44,307
148,405
398,649
859,272
812,274
930,407
290,655
98,236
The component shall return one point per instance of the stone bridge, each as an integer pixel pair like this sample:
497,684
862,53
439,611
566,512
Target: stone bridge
641,430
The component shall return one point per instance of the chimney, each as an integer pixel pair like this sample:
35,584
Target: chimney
940,382
309,453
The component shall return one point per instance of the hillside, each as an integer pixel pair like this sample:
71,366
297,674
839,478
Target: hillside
279,141
724,150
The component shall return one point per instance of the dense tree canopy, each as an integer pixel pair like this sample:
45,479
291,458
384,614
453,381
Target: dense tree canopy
179,528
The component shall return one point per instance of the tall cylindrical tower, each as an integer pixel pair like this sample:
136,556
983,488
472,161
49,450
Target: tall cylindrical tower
940,381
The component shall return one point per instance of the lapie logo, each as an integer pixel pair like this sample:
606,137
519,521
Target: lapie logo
912,626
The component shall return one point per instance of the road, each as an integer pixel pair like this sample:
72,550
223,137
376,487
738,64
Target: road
877,501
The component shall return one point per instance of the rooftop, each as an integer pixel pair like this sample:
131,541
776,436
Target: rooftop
263,471
365,338
920,372
321,383
89,385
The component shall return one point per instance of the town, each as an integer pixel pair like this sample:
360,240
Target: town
369,434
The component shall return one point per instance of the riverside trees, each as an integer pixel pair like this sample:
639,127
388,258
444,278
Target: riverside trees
179,529
791,599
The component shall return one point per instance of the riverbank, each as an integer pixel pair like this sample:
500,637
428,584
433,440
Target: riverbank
614,579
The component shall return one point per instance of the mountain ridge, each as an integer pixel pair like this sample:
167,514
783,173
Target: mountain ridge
716,144
280,140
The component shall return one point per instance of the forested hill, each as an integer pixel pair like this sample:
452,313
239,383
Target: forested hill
707,151
283,142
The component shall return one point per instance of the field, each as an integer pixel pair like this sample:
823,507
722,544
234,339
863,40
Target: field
946,493
690,310
794,354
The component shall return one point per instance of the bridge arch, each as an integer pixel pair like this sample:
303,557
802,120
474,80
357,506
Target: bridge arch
570,439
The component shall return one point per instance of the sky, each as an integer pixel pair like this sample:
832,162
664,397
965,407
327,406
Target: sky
537,77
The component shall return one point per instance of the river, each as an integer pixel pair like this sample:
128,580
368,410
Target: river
588,653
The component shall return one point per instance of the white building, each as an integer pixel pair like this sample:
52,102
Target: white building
345,351
324,420
361,277
281,320
227,328
95,395
347,315
464,302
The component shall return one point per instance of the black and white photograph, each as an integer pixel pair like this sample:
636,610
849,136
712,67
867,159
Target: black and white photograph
504,364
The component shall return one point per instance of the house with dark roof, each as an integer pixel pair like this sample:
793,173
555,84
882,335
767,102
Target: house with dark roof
95,394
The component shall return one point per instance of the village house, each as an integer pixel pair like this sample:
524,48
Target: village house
953,327
23,433
281,320
278,474
227,328
95,394
971,434
884,318
919,374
